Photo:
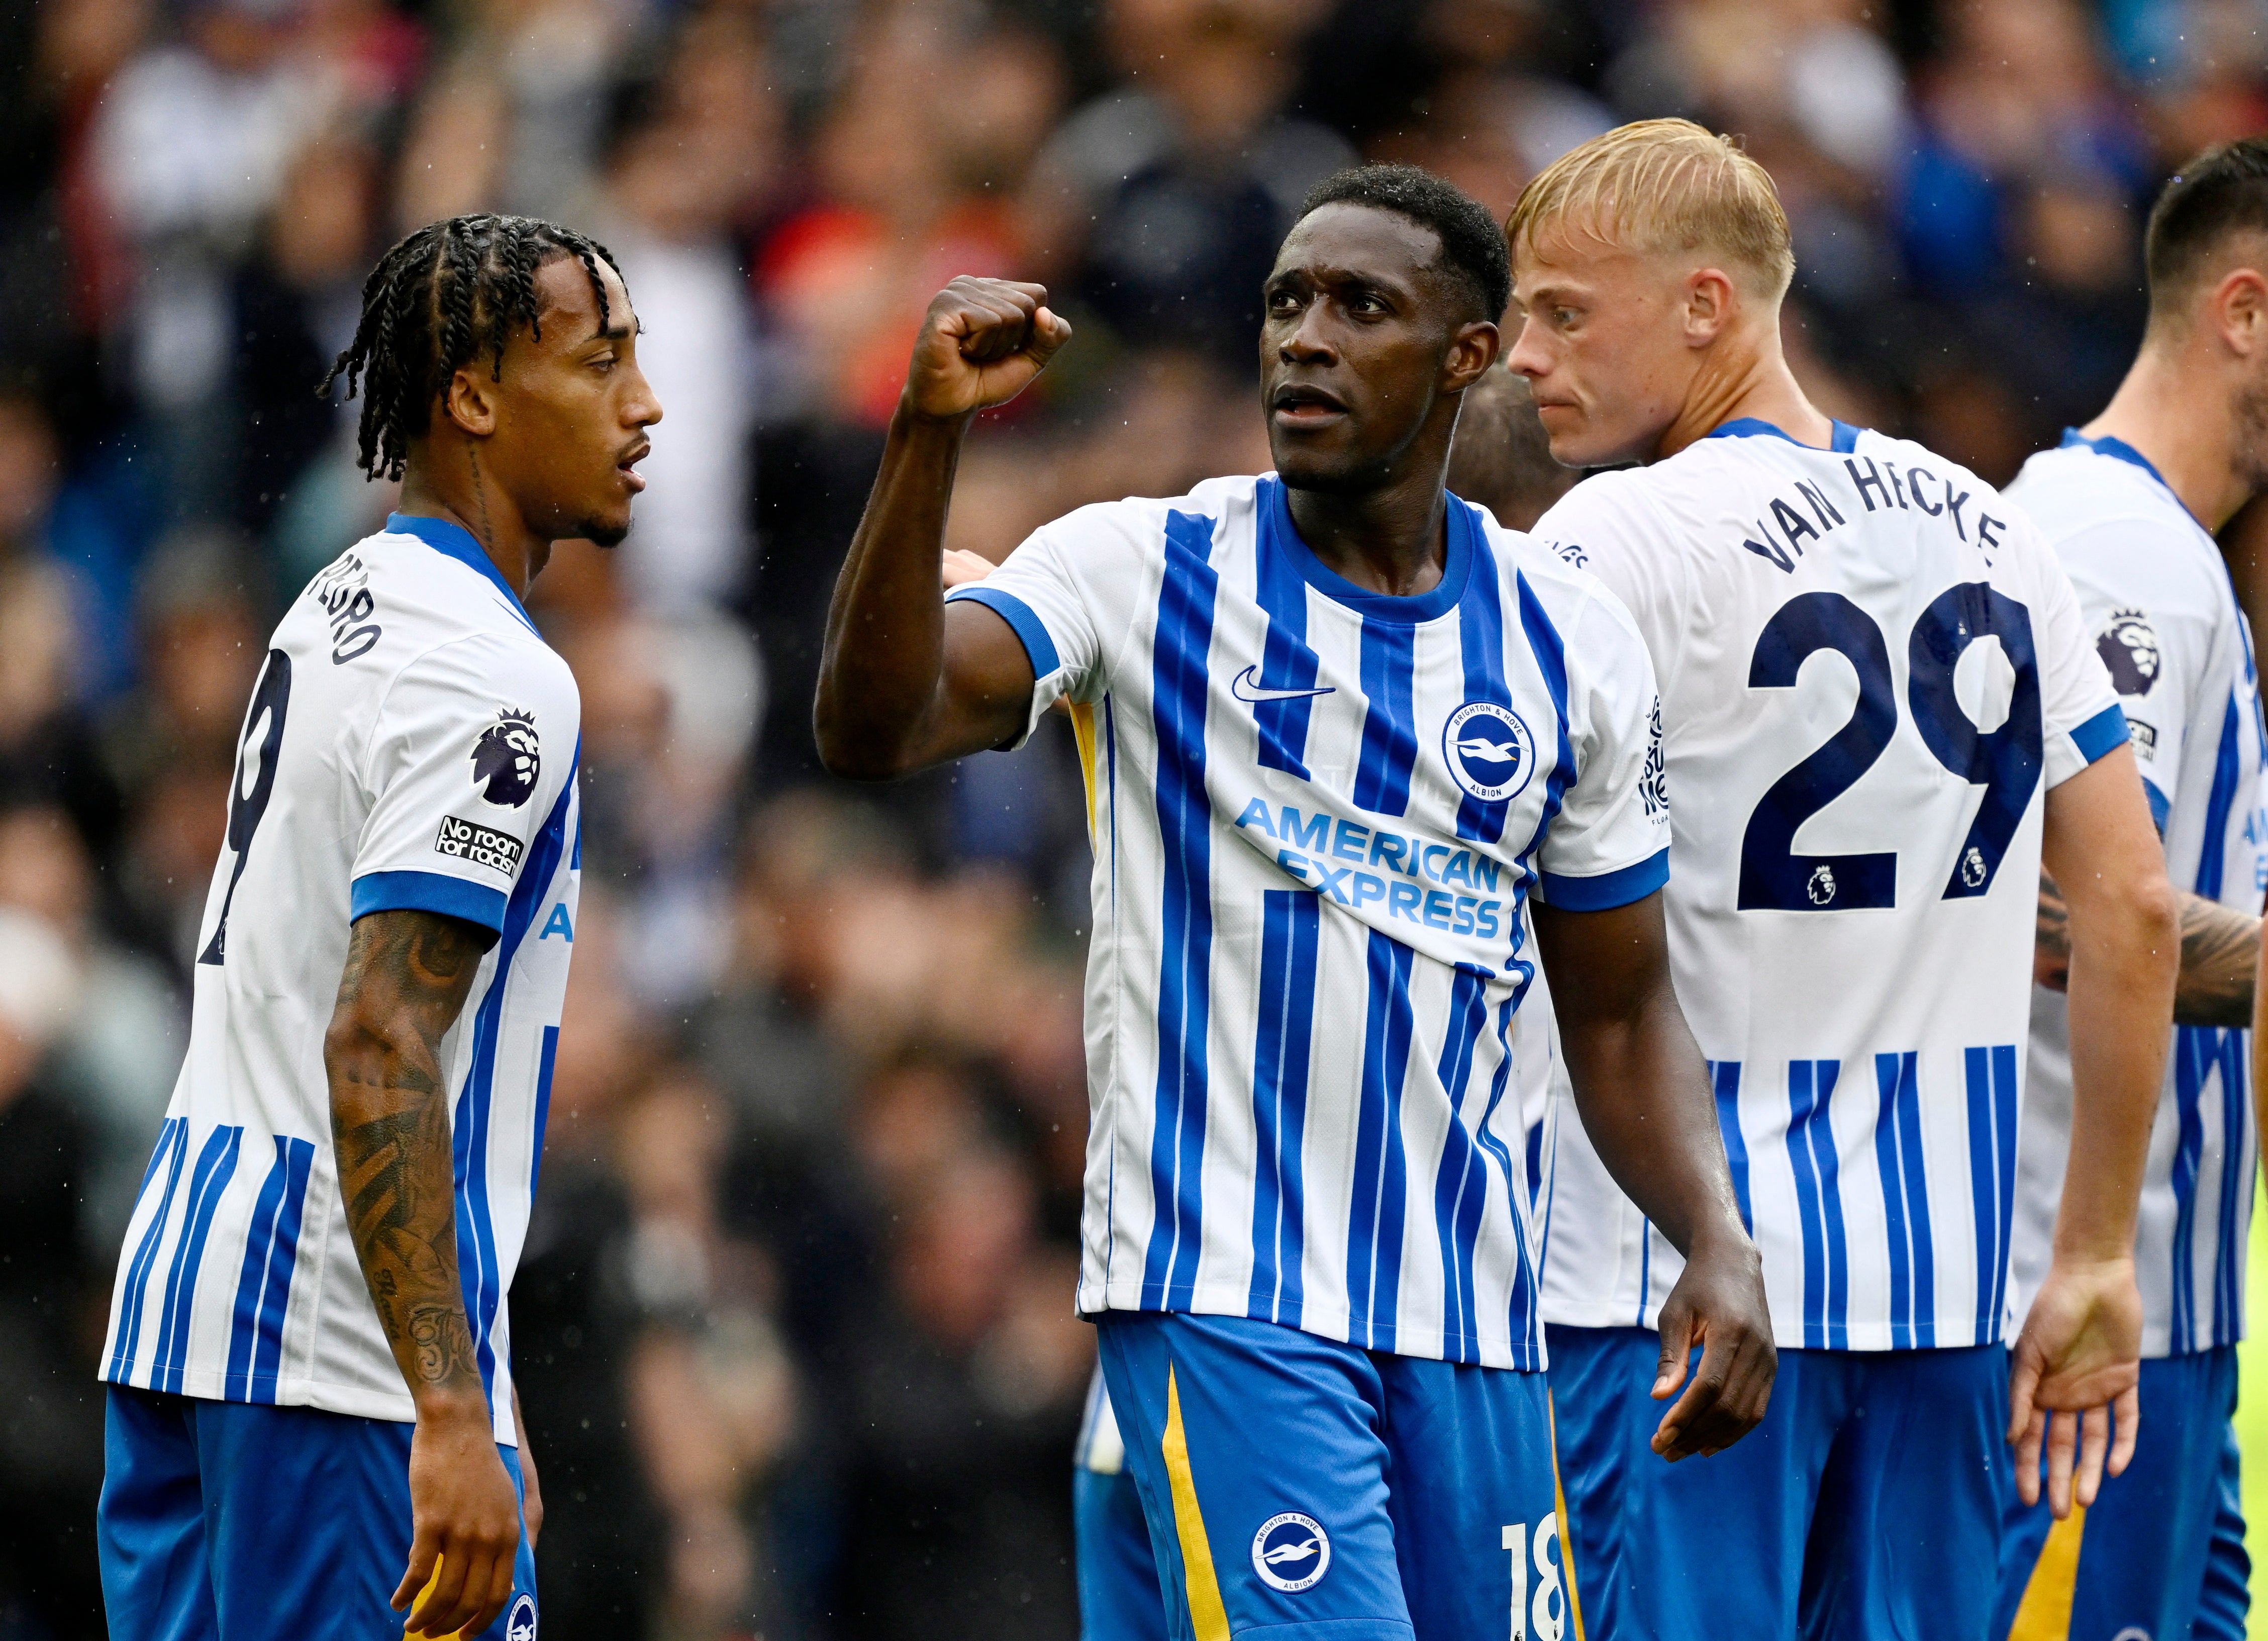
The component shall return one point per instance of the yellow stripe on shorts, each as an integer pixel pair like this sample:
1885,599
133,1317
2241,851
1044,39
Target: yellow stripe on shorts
1207,1615
1559,1506
2045,1614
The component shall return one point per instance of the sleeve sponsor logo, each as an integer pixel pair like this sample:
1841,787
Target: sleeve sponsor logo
2129,648
506,759
484,846
2144,737
1653,781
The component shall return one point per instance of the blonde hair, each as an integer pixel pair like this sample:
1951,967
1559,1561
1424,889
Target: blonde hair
1665,185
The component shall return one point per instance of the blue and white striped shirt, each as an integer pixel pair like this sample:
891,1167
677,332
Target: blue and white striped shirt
411,745
1872,669
2156,593
1316,814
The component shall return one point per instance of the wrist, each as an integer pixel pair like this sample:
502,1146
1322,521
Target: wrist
911,418
443,1406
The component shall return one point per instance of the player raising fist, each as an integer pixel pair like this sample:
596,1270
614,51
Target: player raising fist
312,1417
1359,758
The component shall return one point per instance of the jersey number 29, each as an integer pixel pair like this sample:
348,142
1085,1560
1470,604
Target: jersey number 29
2005,761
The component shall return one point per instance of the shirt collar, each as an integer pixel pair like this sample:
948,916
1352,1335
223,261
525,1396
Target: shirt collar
454,540
1844,440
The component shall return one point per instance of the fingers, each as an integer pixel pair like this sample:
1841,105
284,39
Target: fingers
499,1591
2063,1450
2094,1443
443,1597
1677,1327
2126,1411
2023,1385
2028,1457
1730,1389
424,1556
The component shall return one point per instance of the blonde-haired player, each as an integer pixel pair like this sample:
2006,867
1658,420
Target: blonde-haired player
1879,707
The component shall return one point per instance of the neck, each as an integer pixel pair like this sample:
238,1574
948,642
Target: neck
1740,376
440,482
2180,418
1392,540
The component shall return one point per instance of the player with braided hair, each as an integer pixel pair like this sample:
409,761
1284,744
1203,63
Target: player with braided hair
313,1419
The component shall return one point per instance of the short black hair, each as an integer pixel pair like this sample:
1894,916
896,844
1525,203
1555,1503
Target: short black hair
2222,192
437,301
1472,244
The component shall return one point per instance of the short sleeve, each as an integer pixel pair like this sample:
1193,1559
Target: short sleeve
1038,592
473,745
2079,716
1609,845
2141,616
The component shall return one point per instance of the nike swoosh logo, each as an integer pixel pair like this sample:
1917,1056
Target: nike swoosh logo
1244,688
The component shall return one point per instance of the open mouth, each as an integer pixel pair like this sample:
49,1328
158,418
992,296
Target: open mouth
1298,404
628,466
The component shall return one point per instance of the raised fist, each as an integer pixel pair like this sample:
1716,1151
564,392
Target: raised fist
982,343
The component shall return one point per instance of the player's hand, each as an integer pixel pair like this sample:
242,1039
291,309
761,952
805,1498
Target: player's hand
2073,1379
1719,1304
962,567
982,343
465,1523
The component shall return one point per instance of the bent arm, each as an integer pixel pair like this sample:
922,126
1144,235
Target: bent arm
406,979
2220,947
1643,1093
907,680
904,681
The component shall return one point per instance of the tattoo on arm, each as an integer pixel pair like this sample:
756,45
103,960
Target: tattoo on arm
406,979
2221,951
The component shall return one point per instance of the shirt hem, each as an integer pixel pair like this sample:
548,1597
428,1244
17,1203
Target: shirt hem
1503,1351
204,1384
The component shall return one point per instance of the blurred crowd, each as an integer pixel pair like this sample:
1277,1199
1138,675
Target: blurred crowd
794,1319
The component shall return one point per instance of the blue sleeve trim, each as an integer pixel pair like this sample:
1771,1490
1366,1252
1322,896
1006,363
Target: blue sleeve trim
1020,616
428,892
2101,735
2159,806
1608,890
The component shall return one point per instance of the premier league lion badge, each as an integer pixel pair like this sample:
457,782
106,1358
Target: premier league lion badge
506,759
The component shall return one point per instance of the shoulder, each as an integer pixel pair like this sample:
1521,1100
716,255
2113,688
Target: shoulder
1563,592
1138,528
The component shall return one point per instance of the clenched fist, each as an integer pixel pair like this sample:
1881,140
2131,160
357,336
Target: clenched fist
982,343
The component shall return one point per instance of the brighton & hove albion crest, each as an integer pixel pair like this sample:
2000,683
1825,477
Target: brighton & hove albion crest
1489,750
506,759
1290,1551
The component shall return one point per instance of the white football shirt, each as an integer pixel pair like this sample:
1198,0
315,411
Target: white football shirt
2155,591
1872,670
1316,812
411,744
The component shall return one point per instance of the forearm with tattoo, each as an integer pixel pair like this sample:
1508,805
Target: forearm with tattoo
2220,952
406,979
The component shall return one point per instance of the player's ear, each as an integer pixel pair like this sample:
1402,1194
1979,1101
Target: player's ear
470,401
1709,305
2241,308
1473,347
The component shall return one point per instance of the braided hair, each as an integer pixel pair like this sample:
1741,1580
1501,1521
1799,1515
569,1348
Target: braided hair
436,302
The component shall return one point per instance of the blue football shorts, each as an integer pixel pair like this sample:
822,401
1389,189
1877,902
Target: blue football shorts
2161,1552
1118,1595
1302,1487
227,1518
1865,1505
